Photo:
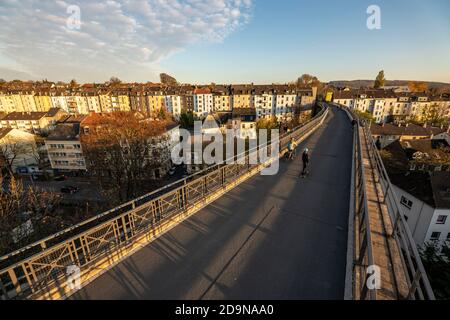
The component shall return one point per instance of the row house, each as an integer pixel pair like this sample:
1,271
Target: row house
139,101
34,122
203,102
286,100
156,101
221,99
43,101
242,96
263,101
172,103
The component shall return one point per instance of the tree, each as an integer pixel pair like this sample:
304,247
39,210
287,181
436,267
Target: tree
434,114
307,80
114,81
379,80
73,84
187,120
364,115
122,151
436,261
417,86
11,150
25,214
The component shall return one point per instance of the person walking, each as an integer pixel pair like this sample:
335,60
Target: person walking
291,148
305,161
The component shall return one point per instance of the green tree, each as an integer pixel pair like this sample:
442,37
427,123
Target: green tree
436,261
364,115
187,120
379,80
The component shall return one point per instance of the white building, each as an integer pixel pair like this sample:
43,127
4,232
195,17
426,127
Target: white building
263,101
285,102
19,148
428,215
203,102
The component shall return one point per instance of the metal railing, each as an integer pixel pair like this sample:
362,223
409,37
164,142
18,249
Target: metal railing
41,266
417,281
363,241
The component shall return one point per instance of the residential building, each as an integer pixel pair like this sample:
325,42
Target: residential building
64,148
221,99
20,150
203,102
34,122
43,101
242,96
263,101
286,101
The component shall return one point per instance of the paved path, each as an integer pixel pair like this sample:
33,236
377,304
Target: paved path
272,237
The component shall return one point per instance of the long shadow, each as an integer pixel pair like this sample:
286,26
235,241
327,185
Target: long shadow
304,257
189,259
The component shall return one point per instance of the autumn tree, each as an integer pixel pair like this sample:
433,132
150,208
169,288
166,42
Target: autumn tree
122,151
379,80
73,84
434,114
114,81
417,86
26,214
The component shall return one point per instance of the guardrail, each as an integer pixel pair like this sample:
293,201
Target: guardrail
417,280
39,270
363,241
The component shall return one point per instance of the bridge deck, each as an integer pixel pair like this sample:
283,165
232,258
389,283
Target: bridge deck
385,250
272,237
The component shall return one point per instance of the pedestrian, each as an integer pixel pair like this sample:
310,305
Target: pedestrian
305,161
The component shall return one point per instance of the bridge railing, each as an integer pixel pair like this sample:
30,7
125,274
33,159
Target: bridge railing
363,241
417,280
41,268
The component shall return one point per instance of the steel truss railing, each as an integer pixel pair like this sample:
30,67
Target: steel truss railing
42,266
417,280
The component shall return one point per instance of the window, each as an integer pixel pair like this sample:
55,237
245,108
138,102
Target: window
435,236
407,203
441,219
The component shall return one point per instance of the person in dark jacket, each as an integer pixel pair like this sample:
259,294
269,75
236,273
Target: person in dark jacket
305,161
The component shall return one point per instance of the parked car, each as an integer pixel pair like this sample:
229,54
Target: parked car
69,189
61,177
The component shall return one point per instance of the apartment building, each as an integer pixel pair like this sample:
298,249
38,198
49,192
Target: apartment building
172,103
386,105
203,102
7,103
64,148
93,101
105,100
286,100
34,122
242,96
221,99
43,101
139,101
156,100
59,100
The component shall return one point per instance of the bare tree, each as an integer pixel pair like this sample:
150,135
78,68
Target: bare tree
122,151
23,214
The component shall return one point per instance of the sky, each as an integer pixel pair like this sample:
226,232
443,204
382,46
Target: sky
223,41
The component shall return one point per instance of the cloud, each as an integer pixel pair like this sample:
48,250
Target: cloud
124,38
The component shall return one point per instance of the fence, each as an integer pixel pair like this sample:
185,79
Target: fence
39,270
417,281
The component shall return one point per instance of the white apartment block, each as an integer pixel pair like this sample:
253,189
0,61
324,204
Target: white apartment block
173,105
285,102
264,102
64,148
203,102
59,101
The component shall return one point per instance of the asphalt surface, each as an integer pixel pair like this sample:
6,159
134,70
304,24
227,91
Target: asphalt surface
272,237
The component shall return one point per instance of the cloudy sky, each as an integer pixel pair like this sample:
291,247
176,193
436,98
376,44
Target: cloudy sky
202,41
